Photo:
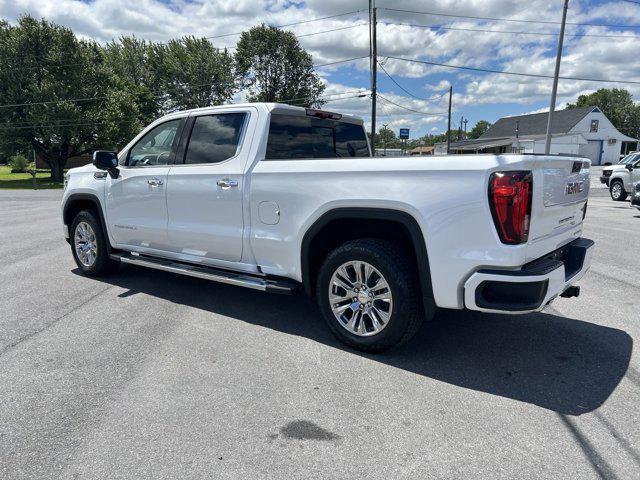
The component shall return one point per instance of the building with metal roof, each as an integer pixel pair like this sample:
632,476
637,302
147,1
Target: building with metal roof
584,131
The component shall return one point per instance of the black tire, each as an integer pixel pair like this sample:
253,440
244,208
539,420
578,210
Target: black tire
394,265
623,193
103,265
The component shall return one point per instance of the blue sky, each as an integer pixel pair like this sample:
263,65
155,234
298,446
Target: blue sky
605,52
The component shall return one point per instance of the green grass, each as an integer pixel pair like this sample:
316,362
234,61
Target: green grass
10,180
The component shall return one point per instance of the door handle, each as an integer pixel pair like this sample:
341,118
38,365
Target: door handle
227,183
154,182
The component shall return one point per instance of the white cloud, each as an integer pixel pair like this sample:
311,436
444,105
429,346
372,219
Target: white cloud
594,57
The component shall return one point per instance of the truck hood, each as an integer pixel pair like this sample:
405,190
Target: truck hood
83,169
613,168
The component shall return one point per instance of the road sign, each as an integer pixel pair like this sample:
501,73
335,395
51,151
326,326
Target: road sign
404,133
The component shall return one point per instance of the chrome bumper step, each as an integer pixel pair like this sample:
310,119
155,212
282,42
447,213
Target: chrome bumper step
209,273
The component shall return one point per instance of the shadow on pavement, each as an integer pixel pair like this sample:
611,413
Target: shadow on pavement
562,364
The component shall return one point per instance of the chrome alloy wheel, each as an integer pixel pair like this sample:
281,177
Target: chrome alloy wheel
360,298
84,241
616,190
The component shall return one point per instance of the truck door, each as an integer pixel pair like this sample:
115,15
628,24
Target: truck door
205,186
634,174
136,200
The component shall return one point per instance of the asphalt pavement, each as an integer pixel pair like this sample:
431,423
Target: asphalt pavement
149,375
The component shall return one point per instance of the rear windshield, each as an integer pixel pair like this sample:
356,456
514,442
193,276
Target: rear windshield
297,136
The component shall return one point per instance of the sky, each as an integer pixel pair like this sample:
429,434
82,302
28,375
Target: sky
607,48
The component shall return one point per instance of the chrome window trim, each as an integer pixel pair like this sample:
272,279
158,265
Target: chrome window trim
243,130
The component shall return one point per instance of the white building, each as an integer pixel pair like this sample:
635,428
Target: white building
584,131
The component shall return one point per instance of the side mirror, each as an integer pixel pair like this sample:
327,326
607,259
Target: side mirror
106,160
628,166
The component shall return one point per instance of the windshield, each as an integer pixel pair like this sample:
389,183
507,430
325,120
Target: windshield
629,158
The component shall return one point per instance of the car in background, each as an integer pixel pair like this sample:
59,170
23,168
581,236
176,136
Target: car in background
619,178
635,198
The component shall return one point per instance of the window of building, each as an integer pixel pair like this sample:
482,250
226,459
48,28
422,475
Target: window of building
594,126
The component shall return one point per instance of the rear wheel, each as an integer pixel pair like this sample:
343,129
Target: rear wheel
89,245
617,191
369,296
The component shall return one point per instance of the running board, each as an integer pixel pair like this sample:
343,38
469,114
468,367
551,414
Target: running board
208,273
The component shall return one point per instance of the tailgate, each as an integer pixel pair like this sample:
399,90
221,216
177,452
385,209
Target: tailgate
560,191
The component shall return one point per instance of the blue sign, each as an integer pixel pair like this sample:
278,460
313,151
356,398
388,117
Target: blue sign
404,133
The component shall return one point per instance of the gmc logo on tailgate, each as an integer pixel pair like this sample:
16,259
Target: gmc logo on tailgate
573,187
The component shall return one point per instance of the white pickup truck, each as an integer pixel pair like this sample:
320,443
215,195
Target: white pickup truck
274,197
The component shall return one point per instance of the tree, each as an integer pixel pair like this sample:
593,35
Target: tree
132,61
59,87
480,128
273,66
387,138
193,73
617,104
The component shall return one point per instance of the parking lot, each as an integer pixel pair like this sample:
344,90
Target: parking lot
146,374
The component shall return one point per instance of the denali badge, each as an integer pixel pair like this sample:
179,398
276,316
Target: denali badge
573,187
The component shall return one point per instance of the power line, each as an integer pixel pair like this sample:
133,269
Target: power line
496,19
361,95
407,91
291,24
64,125
186,85
481,30
341,61
61,65
519,74
432,114
75,100
358,93
331,30
323,96
58,125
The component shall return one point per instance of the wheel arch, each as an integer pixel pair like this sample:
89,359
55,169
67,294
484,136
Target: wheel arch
322,228
77,202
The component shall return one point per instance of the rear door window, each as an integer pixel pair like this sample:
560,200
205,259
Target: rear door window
351,140
297,136
214,138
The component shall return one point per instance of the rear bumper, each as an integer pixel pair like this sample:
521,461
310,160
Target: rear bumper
604,180
532,287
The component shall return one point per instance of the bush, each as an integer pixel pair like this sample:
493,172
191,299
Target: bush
19,164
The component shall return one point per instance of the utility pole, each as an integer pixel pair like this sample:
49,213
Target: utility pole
465,127
460,129
384,140
374,72
554,89
449,122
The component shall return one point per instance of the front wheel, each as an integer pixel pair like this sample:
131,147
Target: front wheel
89,245
369,296
617,191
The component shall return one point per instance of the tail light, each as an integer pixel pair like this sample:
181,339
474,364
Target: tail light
312,112
510,202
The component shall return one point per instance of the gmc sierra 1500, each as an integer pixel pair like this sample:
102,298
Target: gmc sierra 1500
273,197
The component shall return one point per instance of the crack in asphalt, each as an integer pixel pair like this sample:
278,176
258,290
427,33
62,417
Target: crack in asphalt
14,344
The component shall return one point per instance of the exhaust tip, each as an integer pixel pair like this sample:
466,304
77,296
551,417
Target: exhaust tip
570,292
